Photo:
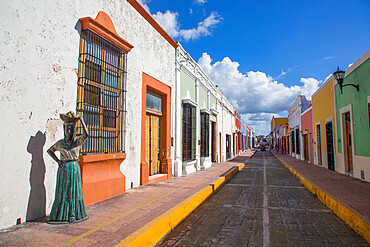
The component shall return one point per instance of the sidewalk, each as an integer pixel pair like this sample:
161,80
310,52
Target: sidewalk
133,215
348,197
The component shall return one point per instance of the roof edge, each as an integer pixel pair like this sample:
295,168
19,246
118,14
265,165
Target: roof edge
152,22
357,64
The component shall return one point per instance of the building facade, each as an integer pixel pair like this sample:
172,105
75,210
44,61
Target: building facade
278,133
81,58
294,115
151,111
323,117
226,127
353,120
307,136
196,116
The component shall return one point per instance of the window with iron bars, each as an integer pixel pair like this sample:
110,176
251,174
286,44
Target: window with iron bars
204,134
188,132
101,96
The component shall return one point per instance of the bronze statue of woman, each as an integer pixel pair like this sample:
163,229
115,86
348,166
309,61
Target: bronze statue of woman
68,206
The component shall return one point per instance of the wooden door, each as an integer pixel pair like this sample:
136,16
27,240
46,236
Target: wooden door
213,141
153,143
330,145
228,153
318,142
348,142
305,147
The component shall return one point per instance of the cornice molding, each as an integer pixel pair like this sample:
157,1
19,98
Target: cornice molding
103,26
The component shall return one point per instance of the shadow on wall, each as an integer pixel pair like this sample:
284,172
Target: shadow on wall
37,199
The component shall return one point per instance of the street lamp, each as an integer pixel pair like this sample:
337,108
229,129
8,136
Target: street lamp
339,76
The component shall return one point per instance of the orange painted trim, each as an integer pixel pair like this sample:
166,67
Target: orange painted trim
103,26
152,22
165,91
102,157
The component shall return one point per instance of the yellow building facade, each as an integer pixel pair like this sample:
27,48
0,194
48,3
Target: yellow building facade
324,126
275,122
277,137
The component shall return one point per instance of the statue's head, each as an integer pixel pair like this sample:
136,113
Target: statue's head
69,131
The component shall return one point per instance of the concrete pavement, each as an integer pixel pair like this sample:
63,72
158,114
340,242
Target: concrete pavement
131,217
347,197
263,205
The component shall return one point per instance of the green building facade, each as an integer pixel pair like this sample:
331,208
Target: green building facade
353,120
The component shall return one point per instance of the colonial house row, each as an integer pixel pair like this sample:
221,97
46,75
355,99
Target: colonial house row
333,131
151,111
279,134
207,126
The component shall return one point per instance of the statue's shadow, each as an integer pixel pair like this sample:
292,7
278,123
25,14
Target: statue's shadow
37,199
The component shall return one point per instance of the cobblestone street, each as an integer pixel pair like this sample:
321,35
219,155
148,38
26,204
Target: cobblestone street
263,205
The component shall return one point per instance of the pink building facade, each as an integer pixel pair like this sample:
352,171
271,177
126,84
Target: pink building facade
307,136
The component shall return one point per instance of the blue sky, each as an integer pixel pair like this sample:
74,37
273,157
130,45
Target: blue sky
273,50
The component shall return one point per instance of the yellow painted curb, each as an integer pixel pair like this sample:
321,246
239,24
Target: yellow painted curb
250,157
359,223
153,232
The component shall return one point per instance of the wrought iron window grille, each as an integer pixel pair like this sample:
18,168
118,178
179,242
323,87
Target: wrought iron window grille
204,134
188,133
101,94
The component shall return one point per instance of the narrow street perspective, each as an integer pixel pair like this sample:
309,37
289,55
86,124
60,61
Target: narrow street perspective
135,123
263,205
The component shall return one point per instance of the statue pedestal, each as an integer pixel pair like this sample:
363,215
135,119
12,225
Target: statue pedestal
101,176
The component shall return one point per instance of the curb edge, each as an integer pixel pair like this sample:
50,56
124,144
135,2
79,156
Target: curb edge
155,230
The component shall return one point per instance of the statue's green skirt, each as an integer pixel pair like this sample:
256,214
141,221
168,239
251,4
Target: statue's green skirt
68,206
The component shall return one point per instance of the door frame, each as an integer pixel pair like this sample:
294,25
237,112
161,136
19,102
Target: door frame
228,149
152,84
342,111
213,141
327,144
317,144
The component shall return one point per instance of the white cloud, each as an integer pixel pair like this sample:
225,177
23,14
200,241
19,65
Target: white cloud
203,29
282,74
349,65
168,22
143,3
258,122
326,58
200,1
310,85
254,92
327,77
285,72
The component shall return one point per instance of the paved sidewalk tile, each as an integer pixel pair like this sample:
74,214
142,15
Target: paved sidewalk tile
352,191
115,219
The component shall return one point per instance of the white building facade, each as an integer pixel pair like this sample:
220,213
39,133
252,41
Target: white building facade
78,58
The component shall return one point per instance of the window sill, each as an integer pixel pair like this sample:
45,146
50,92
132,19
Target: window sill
102,157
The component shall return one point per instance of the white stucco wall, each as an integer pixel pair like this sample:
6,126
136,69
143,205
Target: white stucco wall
225,124
39,48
